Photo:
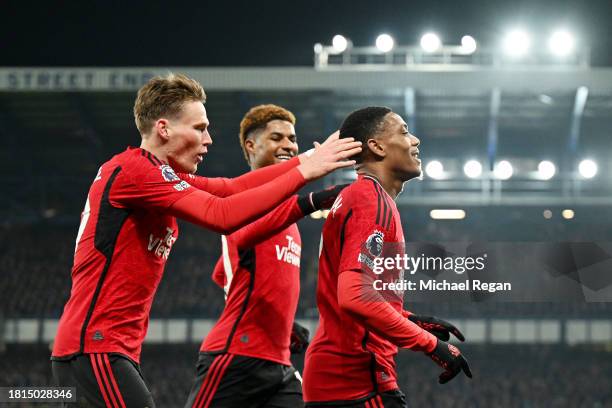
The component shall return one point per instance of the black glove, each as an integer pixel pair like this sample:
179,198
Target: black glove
299,339
319,200
438,327
450,359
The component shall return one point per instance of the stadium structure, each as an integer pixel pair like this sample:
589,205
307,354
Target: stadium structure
59,124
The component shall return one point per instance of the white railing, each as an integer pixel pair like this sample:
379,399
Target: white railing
477,331
363,58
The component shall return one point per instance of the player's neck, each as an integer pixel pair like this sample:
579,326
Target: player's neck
155,150
390,184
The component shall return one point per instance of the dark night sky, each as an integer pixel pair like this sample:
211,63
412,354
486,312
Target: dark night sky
266,33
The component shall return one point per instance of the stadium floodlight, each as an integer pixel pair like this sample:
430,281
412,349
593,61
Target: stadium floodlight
435,170
385,43
430,42
472,169
468,44
503,170
546,170
587,168
547,214
318,47
516,43
568,213
561,43
447,214
339,43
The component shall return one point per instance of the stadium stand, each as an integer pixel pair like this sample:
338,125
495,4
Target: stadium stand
582,378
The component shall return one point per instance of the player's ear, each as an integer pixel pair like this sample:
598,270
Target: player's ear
376,148
249,146
161,127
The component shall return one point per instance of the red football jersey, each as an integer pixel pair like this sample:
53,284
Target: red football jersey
125,238
262,286
122,245
345,361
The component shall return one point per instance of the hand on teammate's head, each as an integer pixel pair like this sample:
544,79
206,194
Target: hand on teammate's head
329,156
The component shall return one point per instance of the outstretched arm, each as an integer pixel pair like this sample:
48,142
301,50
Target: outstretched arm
269,225
226,215
284,215
223,187
316,163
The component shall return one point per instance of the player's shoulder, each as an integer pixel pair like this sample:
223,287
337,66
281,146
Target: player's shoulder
138,158
364,192
359,198
140,164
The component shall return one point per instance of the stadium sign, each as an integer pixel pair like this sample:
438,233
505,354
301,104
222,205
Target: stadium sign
62,79
449,79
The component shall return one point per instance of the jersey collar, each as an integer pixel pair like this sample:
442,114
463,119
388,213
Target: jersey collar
374,179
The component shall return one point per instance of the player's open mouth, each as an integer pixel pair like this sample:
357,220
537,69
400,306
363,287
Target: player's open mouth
415,154
283,157
200,157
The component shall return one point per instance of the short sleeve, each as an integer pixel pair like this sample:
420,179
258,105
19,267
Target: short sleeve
155,187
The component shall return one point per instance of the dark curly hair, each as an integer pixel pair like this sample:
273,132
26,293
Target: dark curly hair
258,117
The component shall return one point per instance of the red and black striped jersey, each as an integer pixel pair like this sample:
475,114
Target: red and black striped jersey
124,240
260,276
345,361
126,234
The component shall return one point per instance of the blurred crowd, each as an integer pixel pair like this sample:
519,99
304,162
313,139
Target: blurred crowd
504,376
36,266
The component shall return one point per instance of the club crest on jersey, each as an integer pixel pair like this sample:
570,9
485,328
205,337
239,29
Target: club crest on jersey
374,243
167,173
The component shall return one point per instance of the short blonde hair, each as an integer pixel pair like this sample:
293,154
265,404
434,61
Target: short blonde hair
258,117
164,96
